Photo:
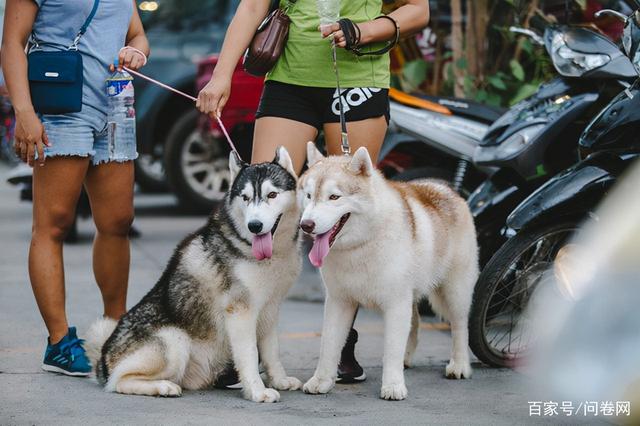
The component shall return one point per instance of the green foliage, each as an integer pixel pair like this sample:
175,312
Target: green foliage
413,74
514,66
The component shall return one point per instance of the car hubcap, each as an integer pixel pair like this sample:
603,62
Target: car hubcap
205,166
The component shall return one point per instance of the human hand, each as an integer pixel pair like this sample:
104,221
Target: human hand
131,58
30,137
334,33
214,96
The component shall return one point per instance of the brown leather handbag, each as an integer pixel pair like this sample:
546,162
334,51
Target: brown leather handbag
268,43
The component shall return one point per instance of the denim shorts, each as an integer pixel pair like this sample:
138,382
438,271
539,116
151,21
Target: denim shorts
70,135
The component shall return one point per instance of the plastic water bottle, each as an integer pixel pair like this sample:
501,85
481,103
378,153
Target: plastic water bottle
328,11
121,115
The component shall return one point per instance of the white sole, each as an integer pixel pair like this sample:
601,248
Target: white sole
236,386
54,369
360,378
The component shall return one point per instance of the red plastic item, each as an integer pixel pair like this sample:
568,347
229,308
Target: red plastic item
245,95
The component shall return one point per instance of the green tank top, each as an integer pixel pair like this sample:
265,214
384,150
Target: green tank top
307,61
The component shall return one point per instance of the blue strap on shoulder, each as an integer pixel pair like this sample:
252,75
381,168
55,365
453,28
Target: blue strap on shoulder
86,24
89,18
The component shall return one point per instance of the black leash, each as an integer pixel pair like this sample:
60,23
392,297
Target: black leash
352,35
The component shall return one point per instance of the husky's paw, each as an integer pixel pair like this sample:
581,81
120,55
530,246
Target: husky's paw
286,383
458,370
393,392
151,388
168,388
315,385
265,395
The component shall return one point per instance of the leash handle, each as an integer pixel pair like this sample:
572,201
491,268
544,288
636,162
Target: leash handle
346,149
174,90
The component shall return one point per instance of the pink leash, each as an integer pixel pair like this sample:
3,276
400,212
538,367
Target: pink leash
174,90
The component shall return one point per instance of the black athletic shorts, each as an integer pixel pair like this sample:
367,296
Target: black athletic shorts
318,105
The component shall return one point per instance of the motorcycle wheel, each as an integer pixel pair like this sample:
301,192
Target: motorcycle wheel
197,167
498,322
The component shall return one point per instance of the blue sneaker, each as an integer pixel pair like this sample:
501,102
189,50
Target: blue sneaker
67,356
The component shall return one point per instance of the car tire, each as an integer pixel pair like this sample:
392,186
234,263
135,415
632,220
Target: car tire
187,149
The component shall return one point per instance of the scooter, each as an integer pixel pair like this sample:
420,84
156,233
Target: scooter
544,222
537,137
435,137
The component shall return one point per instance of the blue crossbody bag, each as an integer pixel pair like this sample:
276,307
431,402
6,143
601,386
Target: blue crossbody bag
56,78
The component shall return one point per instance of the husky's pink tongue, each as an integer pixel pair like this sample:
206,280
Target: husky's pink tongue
320,249
262,246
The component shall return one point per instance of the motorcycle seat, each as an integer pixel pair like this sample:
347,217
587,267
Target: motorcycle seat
449,106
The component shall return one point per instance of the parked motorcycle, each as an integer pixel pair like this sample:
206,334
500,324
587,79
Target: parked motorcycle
435,137
546,220
537,137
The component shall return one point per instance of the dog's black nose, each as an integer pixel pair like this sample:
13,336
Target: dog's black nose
255,226
308,226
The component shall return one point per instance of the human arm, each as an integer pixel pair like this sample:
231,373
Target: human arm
30,136
250,13
137,45
411,17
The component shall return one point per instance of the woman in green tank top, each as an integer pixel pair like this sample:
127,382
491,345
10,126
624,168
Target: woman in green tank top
300,96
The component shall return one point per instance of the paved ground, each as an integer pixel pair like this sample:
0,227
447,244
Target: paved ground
31,396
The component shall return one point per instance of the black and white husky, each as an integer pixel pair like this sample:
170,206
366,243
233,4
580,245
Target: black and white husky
218,299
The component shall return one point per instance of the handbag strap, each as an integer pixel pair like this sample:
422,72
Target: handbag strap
85,26
83,29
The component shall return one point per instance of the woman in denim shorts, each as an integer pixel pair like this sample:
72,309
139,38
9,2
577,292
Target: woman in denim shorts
69,151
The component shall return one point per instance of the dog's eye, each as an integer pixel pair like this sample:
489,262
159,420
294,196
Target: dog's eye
245,198
272,194
334,197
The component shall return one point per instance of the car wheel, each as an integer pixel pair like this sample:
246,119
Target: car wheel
197,165
150,172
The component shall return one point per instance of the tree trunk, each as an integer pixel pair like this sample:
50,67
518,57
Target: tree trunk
457,39
476,35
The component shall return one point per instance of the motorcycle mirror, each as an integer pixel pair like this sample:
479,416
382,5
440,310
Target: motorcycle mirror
604,12
530,33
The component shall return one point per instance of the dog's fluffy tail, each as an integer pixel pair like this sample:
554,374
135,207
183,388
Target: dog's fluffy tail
97,334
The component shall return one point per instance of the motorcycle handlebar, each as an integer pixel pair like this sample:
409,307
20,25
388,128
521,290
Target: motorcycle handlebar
530,33
614,13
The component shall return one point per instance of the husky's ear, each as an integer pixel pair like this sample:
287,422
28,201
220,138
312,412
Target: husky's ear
284,160
361,162
313,155
235,165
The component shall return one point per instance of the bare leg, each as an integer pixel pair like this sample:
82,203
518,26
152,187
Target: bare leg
56,188
110,189
338,316
272,132
368,133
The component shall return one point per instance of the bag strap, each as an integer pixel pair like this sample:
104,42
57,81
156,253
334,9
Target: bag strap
85,26
33,40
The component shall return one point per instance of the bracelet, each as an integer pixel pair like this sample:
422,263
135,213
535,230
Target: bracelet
352,36
137,51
